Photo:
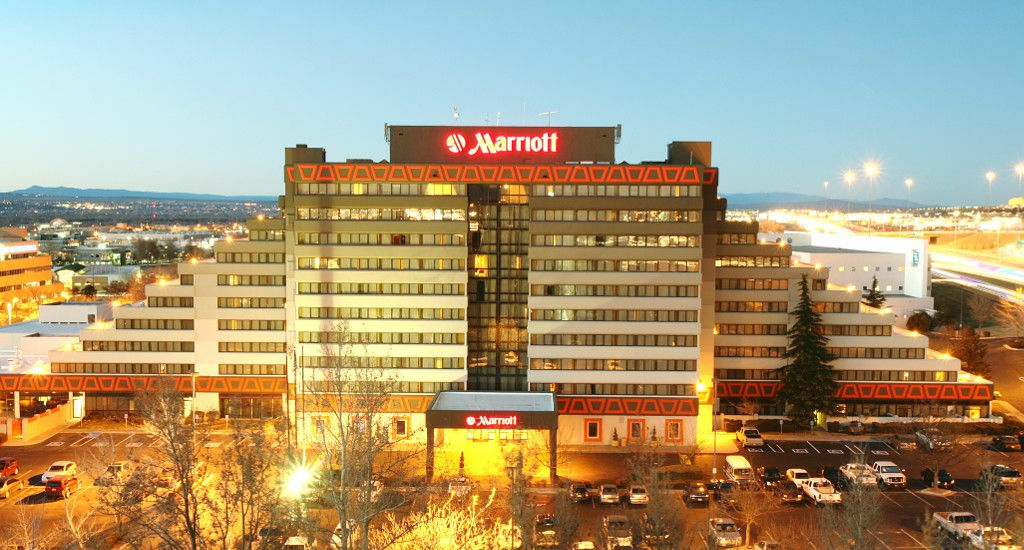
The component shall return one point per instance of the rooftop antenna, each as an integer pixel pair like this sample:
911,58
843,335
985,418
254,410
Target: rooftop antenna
487,120
499,119
548,114
456,115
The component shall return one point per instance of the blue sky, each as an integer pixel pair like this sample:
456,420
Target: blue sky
202,97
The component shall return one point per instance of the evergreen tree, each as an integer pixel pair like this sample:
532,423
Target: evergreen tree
808,380
971,350
874,297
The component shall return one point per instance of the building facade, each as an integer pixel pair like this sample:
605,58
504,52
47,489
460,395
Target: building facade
25,274
502,259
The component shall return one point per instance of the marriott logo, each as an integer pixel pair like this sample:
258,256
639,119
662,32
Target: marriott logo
487,144
487,421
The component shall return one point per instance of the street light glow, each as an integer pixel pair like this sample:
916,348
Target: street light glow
990,176
298,482
1019,169
849,177
872,169
909,182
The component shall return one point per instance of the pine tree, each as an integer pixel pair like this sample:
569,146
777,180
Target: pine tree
808,380
971,351
874,297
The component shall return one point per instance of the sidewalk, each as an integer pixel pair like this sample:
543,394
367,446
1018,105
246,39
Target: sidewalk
37,439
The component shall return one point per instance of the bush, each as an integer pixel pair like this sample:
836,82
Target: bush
920,321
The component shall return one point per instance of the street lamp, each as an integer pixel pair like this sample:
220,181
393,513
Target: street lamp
871,171
909,182
849,177
991,177
825,185
1019,169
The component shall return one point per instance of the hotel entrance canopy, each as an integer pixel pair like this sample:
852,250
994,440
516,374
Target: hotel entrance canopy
492,411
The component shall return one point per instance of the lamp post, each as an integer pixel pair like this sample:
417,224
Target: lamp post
849,177
871,171
1019,170
825,185
909,182
991,177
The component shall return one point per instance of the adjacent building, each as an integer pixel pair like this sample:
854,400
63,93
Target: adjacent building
523,268
25,274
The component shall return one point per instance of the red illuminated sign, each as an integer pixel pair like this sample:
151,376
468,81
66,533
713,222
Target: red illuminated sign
491,421
486,144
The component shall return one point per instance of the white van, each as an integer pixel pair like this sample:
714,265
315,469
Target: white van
738,469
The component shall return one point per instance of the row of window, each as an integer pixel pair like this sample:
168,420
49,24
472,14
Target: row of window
252,369
845,375
663,241
688,266
749,351
155,324
327,387
878,353
678,340
250,324
250,280
679,390
339,337
250,257
752,261
641,216
388,362
122,368
382,239
666,291
384,264
170,301
136,345
383,214
9,272
380,313
837,307
749,306
752,284
252,347
751,329
405,189
250,302
645,315
614,364
737,238
856,330
187,280
606,190
266,235
422,289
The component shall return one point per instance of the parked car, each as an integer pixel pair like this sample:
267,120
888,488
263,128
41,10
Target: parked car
638,495
9,466
296,543
269,536
855,427
889,475
583,545
544,533
797,475
1006,443
932,438
8,484
821,491
722,533
723,491
992,538
789,492
115,473
749,437
654,535
697,494
902,442
616,530
609,494
60,468
945,480
856,473
770,476
61,486
581,492
957,524
832,474
1007,477
767,545
460,486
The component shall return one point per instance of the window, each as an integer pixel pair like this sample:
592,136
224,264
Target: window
400,427
637,429
673,430
592,431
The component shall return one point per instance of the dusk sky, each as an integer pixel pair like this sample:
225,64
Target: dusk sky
203,97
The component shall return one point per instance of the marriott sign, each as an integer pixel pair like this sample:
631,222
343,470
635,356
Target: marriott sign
491,421
487,144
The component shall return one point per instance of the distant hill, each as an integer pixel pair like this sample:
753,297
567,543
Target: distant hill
768,201
74,192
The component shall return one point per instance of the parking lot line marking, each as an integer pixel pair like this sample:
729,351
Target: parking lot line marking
813,447
911,537
882,541
894,449
83,441
892,500
835,451
918,497
801,451
55,444
777,448
854,449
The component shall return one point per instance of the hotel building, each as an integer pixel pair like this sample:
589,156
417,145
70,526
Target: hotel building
25,274
522,269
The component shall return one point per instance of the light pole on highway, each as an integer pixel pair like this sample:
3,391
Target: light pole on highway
1019,170
991,177
849,177
909,182
871,171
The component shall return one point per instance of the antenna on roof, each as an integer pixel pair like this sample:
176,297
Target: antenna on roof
548,114
498,123
456,115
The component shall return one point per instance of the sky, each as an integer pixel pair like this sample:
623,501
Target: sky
203,96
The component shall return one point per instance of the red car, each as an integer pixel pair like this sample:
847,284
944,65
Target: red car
62,486
8,467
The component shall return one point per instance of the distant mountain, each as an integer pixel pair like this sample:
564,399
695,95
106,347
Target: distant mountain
74,192
768,201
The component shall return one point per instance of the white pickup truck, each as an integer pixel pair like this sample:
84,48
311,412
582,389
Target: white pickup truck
857,473
992,538
957,524
889,475
821,491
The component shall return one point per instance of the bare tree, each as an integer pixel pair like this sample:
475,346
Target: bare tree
355,441
567,520
24,529
853,525
1010,313
752,504
452,524
647,468
951,442
980,308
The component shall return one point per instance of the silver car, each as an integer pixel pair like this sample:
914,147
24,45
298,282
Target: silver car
723,533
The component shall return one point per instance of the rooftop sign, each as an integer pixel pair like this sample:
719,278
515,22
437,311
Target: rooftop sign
491,421
502,144
488,144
